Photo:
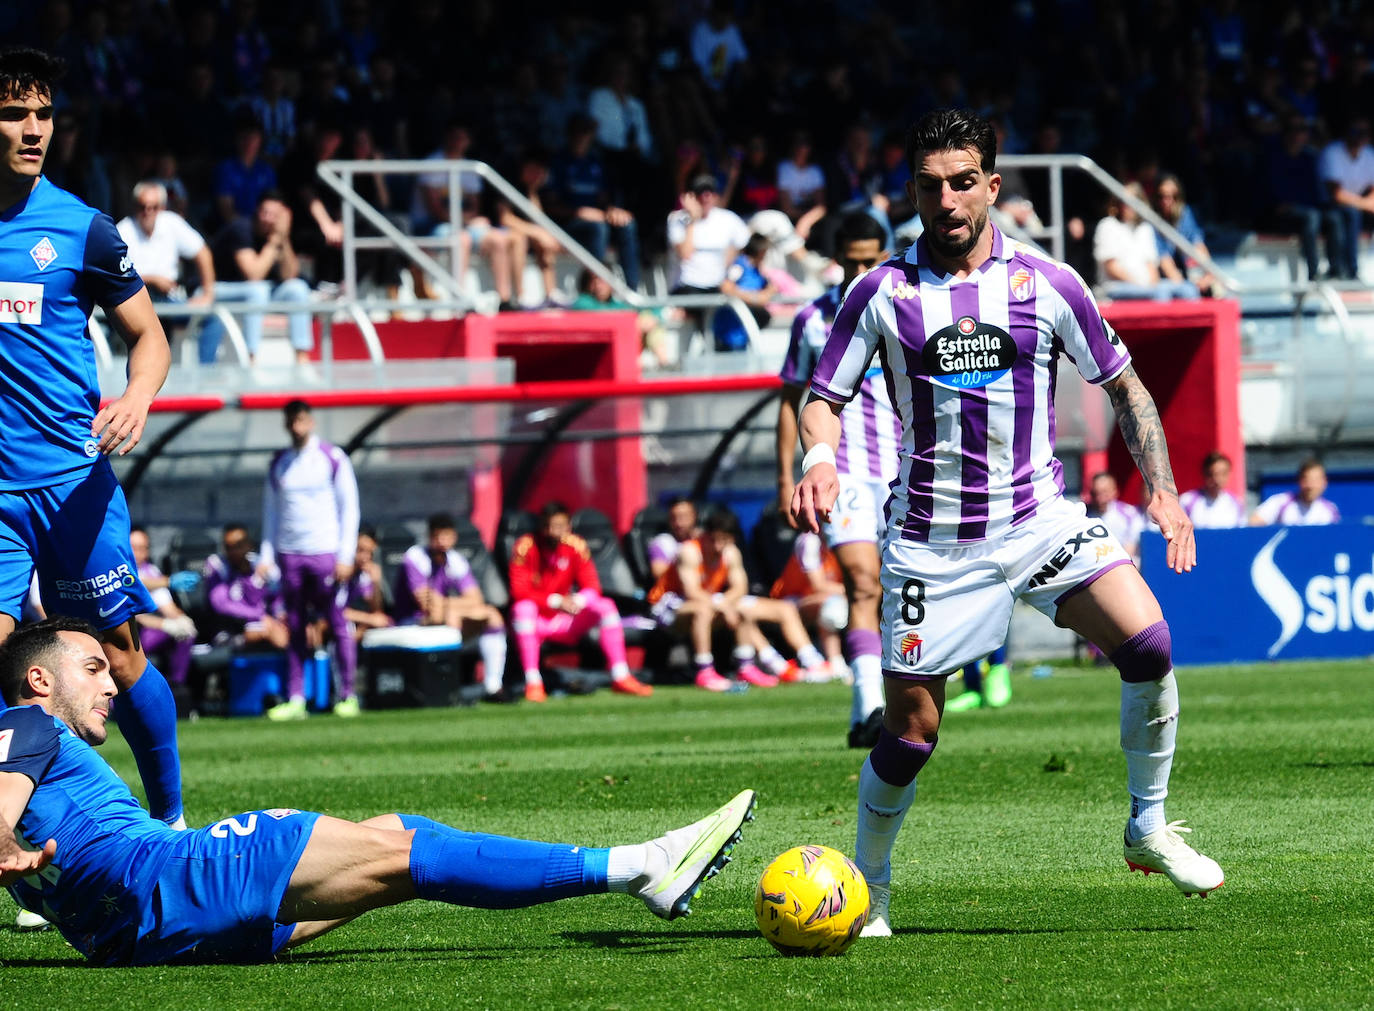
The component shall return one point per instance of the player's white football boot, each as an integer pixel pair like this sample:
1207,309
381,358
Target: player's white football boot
1163,851
680,861
878,898
26,920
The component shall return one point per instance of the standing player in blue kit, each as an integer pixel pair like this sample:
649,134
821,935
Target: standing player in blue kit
61,508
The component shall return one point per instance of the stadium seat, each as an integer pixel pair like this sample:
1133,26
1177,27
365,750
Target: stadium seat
617,578
488,574
647,524
190,547
770,545
515,523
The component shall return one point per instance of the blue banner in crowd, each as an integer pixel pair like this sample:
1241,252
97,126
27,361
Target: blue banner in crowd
1269,593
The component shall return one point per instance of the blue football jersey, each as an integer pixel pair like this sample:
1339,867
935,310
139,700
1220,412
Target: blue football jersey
99,888
59,258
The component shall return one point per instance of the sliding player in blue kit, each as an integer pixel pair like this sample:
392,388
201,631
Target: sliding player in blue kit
125,889
61,509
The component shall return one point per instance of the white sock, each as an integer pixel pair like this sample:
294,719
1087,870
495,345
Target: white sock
179,824
744,655
868,686
1149,729
809,656
533,677
771,660
620,671
882,808
492,646
624,864
702,660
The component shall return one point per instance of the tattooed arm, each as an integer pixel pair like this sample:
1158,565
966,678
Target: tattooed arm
1143,433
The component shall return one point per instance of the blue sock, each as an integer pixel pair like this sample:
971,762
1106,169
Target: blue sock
497,872
973,676
147,717
999,655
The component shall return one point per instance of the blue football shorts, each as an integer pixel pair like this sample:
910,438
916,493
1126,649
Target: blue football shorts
218,894
76,534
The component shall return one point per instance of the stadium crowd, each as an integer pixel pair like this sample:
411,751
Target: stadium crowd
790,116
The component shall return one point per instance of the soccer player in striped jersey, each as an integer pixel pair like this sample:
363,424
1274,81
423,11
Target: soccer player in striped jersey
969,327
866,461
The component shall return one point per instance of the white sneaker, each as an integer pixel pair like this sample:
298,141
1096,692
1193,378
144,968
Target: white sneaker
1163,851
681,860
30,921
878,898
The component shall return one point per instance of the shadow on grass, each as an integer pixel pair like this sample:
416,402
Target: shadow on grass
657,939
1366,764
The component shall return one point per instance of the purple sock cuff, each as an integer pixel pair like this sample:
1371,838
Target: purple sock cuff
897,760
1145,656
862,642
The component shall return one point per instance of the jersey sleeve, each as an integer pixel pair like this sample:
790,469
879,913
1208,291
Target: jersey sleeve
460,572
29,741
1270,508
108,273
189,242
800,360
807,551
1088,339
853,339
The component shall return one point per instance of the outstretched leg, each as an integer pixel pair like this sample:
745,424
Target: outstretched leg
348,868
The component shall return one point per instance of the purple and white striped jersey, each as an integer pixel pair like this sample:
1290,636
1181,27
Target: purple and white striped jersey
970,367
417,571
870,431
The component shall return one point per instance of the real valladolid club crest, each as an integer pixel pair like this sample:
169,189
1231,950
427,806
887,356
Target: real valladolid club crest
910,647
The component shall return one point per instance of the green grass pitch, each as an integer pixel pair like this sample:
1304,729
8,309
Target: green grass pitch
1009,891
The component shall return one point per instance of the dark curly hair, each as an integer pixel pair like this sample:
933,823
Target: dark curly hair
952,130
23,70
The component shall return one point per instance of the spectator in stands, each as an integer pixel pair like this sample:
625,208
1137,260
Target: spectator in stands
275,110
717,47
1124,520
364,597
527,237
706,237
744,280
1126,249
855,183
159,240
167,172
435,586
812,581
168,633
256,262
241,180
579,199
1212,506
1347,171
707,587
756,180
560,101
310,537
245,603
383,109
1175,263
556,597
1296,198
380,266
247,46
430,214
682,527
594,294
1305,507
316,209
622,133
801,186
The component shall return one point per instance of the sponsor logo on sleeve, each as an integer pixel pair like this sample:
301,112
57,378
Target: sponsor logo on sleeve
43,253
126,264
21,302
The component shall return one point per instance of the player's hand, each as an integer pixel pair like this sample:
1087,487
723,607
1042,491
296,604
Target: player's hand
785,489
815,496
1177,528
19,863
571,604
119,425
691,205
618,217
343,572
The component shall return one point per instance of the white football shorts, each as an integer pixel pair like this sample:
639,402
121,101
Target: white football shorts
858,512
944,607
